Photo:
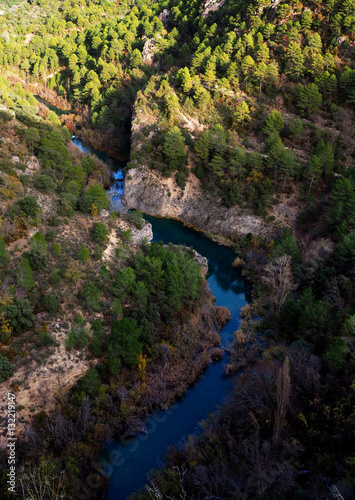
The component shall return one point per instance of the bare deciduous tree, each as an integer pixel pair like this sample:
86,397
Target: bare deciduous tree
83,417
42,483
305,368
155,493
278,277
283,390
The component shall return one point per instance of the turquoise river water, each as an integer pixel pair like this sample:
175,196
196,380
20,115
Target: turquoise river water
127,463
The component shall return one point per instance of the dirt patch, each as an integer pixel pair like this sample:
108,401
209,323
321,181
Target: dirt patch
39,386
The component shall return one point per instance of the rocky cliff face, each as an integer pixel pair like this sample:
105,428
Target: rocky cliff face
147,190
153,194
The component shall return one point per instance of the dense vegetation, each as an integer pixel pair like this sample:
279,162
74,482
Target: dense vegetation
69,296
257,101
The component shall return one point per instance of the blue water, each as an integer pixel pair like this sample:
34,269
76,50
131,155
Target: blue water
116,166
128,462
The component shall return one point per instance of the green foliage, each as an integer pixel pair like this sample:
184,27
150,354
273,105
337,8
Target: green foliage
315,316
45,339
57,249
83,254
273,123
184,79
44,183
241,113
99,233
296,127
124,341
123,284
91,382
349,327
309,99
4,256
6,370
98,252
174,150
336,355
54,277
26,206
78,338
98,329
136,217
287,245
20,315
37,255
38,244
92,297
50,303
342,203
220,74
345,250
25,275
96,195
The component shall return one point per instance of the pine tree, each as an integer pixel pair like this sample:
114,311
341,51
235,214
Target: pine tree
260,74
295,60
202,147
185,79
73,60
174,149
38,244
4,257
288,164
309,99
210,72
25,277
241,113
248,65
275,150
273,123
314,170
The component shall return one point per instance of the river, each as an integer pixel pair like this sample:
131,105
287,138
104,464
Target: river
127,463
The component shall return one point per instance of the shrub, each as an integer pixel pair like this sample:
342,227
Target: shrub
57,249
54,277
91,382
50,235
98,329
6,369
92,297
83,254
4,257
27,206
336,355
44,183
124,342
45,339
99,232
24,179
136,218
6,116
25,275
36,260
78,338
95,346
126,236
20,314
54,221
98,252
273,123
95,195
50,303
